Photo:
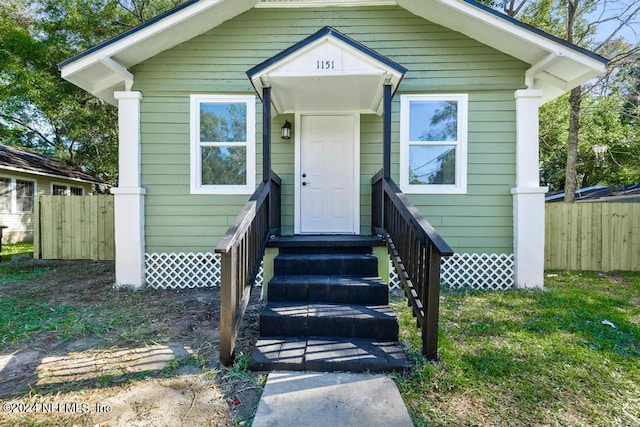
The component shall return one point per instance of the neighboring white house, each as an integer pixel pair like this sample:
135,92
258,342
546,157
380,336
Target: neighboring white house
25,174
466,82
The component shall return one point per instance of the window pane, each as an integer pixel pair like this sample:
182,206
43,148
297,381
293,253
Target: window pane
223,122
224,165
77,191
24,196
5,195
433,121
432,164
59,190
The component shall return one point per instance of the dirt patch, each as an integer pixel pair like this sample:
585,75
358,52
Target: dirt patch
615,278
85,353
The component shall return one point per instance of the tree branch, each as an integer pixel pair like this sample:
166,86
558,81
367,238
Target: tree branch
24,125
623,22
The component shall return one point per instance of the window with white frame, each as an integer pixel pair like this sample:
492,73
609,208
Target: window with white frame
223,144
66,190
25,191
5,195
433,143
16,195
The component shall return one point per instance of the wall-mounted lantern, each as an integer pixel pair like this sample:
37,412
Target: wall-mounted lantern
286,130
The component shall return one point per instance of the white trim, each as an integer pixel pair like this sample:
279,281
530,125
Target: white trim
460,187
13,194
352,81
129,196
50,175
157,28
67,186
527,152
297,179
574,67
528,238
528,196
195,143
122,72
129,235
529,190
461,14
266,4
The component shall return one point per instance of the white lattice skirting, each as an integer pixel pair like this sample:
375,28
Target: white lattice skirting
182,270
185,270
194,270
472,271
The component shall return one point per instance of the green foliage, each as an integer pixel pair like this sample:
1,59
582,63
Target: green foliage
609,148
628,81
609,138
532,357
39,110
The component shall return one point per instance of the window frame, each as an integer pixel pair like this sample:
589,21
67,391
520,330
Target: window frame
10,193
460,186
33,195
67,189
196,153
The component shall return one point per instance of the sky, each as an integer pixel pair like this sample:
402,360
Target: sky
614,8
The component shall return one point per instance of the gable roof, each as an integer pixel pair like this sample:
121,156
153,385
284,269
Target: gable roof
355,83
556,66
17,160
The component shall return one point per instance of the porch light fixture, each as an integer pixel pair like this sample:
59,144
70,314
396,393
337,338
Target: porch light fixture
286,130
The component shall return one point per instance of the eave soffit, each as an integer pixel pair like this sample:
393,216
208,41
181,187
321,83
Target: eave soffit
104,68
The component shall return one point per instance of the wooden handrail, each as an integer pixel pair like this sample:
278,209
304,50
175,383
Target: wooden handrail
411,214
241,250
416,249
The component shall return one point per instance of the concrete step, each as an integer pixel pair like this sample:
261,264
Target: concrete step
328,354
319,319
361,265
313,399
329,289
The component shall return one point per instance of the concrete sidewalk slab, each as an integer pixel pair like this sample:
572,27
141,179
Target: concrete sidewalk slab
315,399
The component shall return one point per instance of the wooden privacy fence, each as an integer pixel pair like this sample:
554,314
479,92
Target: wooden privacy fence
592,236
74,227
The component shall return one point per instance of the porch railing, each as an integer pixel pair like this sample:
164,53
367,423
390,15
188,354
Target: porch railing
241,250
415,249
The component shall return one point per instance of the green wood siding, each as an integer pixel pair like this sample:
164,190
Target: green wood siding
438,60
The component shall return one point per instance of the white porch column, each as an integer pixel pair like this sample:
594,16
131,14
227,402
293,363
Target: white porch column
129,195
528,196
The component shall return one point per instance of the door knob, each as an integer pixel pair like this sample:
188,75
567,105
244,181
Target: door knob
304,183
304,175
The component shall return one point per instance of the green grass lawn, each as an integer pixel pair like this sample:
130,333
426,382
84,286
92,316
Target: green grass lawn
21,249
569,355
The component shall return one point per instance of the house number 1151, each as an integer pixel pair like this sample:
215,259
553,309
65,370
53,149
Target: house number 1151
325,65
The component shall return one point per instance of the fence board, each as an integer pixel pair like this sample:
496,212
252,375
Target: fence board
592,236
74,227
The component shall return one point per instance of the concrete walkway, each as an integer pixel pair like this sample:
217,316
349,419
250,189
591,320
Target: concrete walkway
314,399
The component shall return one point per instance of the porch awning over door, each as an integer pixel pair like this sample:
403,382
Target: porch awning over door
327,71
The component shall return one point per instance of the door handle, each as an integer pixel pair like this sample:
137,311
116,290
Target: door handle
304,183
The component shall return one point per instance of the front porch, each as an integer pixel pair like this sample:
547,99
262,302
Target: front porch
328,307
325,301
317,281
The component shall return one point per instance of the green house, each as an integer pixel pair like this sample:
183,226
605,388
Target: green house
443,95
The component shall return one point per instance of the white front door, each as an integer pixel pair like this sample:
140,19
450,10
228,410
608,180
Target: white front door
328,174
